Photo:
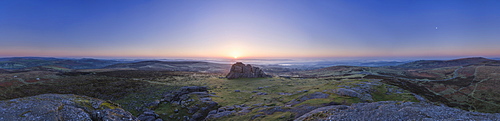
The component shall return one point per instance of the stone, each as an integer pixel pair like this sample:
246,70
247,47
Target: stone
230,108
256,116
150,113
146,118
240,70
206,99
347,92
193,109
221,110
220,114
261,93
212,112
197,117
194,89
351,93
314,95
284,93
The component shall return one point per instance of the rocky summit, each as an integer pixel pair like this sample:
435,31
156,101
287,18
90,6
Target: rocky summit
240,70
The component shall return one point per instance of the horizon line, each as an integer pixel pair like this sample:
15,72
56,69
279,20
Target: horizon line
257,58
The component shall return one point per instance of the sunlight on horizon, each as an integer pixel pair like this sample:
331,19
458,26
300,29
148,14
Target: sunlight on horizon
235,54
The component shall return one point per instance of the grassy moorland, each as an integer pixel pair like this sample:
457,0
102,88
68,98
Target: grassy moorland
132,89
470,86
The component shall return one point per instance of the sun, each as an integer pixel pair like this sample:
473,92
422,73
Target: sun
235,54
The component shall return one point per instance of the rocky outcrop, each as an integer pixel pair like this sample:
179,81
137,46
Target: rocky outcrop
394,111
240,70
314,95
227,111
190,103
62,107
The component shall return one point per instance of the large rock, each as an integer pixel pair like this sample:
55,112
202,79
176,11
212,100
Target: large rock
240,70
314,95
61,107
395,111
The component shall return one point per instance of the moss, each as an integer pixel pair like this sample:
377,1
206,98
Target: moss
108,105
85,103
60,107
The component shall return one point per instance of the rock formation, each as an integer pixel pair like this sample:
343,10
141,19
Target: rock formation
395,111
61,107
240,70
191,103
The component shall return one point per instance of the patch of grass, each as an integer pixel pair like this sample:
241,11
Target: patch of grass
276,116
225,89
166,110
380,94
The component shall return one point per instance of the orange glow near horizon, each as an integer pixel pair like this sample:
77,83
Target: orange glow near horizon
235,54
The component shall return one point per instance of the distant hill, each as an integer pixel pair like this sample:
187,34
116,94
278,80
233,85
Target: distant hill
443,63
3,71
193,66
31,62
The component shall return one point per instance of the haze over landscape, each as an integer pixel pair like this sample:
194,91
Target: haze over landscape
249,29
249,60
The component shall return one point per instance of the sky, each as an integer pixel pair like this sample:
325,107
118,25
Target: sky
250,28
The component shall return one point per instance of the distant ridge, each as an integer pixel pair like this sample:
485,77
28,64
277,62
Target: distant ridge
3,71
151,62
30,62
444,63
154,65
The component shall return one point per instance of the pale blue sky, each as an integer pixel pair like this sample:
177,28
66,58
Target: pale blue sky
249,28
